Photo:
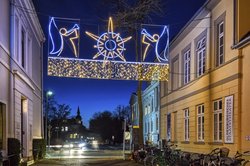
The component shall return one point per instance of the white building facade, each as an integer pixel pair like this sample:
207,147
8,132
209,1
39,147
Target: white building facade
151,113
21,49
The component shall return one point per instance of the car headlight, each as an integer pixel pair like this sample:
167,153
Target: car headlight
81,145
94,142
66,146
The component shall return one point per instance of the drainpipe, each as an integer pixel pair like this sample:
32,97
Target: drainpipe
11,118
234,22
41,57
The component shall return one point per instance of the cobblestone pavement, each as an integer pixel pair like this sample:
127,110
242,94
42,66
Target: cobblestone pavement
85,162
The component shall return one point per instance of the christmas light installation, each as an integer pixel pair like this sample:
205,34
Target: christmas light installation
108,63
156,38
110,45
63,32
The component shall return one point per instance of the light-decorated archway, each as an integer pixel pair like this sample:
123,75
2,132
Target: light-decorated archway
110,61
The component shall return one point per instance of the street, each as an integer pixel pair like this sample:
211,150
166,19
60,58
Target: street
85,162
87,151
88,155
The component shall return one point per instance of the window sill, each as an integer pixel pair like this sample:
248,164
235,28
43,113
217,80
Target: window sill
185,142
199,143
215,143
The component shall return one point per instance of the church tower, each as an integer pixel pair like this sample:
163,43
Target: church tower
78,116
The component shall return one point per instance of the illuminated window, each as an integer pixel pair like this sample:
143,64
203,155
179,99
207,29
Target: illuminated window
186,124
187,64
220,43
200,123
201,56
62,129
218,120
66,128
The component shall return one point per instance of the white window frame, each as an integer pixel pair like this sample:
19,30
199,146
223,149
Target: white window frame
186,124
187,65
220,52
201,56
201,119
217,109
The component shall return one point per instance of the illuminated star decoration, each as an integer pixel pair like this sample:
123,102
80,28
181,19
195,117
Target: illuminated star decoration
155,38
110,45
63,32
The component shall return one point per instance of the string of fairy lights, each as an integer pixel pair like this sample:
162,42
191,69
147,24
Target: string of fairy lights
116,70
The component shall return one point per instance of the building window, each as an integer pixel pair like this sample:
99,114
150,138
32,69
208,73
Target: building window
66,128
156,122
200,123
186,124
156,98
201,56
23,52
218,120
148,128
187,63
145,127
175,73
168,127
220,43
149,109
16,38
151,126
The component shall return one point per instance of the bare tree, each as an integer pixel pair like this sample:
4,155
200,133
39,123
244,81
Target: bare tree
129,16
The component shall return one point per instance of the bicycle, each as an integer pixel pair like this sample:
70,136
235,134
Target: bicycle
238,160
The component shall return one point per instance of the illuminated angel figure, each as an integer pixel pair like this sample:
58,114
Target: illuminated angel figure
155,38
63,32
110,45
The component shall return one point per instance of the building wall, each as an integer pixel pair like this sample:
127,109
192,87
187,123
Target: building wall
5,69
21,87
217,82
245,116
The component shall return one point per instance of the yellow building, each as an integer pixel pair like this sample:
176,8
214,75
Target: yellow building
204,105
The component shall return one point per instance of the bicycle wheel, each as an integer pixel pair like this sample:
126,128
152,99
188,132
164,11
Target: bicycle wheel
246,163
159,161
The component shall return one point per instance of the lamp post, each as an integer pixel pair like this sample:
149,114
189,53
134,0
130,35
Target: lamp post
48,93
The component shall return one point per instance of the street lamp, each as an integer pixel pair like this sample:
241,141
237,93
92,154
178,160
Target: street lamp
48,93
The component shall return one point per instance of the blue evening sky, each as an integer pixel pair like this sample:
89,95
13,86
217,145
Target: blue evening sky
98,95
